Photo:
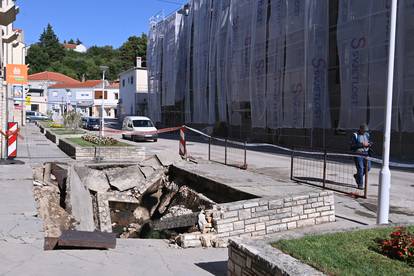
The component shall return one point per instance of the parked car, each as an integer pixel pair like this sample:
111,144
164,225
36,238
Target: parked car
84,120
35,116
139,128
92,123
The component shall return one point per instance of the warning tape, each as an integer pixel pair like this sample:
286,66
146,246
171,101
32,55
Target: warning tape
9,133
251,145
159,131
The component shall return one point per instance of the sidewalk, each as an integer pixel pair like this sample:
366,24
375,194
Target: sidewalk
21,236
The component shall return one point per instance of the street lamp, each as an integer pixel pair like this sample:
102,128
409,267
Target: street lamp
385,174
103,69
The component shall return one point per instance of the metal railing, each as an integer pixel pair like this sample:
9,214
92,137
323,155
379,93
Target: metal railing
227,152
329,171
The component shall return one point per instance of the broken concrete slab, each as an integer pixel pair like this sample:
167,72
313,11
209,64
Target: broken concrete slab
166,199
153,162
192,200
94,180
79,201
152,184
175,222
125,178
85,239
147,171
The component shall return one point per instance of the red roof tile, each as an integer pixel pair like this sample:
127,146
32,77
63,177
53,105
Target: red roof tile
52,76
70,46
86,84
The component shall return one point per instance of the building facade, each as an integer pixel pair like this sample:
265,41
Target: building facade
303,73
84,97
39,84
12,51
133,87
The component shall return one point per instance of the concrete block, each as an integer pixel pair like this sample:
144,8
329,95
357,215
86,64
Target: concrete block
275,204
261,208
306,222
260,226
295,218
236,232
259,233
94,180
291,225
323,208
297,210
225,221
238,225
300,197
284,210
245,214
276,228
327,213
230,214
252,220
249,228
317,204
280,216
250,204
314,215
321,220
309,211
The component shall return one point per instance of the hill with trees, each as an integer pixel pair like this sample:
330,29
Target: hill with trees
49,55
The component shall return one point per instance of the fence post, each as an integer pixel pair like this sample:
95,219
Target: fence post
209,148
324,169
225,151
291,163
366,178
245,155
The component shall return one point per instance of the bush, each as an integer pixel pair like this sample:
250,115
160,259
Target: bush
399,246
97,140
72,120
56,125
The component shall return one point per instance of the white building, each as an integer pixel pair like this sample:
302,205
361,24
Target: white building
39,84
85,97
133,87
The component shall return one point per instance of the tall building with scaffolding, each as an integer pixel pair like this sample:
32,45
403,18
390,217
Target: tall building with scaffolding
296,72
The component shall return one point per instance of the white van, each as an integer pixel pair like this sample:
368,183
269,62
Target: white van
139,128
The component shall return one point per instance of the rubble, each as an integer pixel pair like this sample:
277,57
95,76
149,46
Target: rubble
94,180
131,200
125,178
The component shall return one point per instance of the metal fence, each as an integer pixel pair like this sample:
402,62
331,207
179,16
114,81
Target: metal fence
328,170
227,152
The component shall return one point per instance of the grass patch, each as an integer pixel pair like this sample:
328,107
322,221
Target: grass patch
80,142
348,253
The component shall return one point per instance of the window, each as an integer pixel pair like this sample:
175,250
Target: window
116,96
132,80
123,83
142,123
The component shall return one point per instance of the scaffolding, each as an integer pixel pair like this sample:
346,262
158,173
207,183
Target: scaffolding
284,71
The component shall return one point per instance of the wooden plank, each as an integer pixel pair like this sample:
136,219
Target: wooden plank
84,239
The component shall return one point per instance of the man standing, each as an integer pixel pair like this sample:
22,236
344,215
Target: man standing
361,145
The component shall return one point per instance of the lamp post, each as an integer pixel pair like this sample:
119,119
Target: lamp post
103,69
385,174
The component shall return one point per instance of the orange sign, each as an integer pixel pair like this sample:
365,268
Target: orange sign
16,73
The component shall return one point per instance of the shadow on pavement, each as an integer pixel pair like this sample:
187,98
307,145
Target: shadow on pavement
215,268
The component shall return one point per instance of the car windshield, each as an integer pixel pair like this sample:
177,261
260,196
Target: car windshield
94,121
142,123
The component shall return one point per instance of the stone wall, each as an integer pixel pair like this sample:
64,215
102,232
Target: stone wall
104,153
250,257
263,216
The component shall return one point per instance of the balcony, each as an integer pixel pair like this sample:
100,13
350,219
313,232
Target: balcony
8,13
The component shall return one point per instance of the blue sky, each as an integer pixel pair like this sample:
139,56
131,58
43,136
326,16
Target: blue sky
94,22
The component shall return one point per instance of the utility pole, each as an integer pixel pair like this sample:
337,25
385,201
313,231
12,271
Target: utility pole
104,69
385,174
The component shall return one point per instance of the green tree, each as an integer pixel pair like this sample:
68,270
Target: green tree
71,41
37,59
50,42
134,47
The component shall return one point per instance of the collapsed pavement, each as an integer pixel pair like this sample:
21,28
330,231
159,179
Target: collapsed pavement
155,200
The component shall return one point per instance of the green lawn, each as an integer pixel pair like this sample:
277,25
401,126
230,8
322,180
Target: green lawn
348,253
79,141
